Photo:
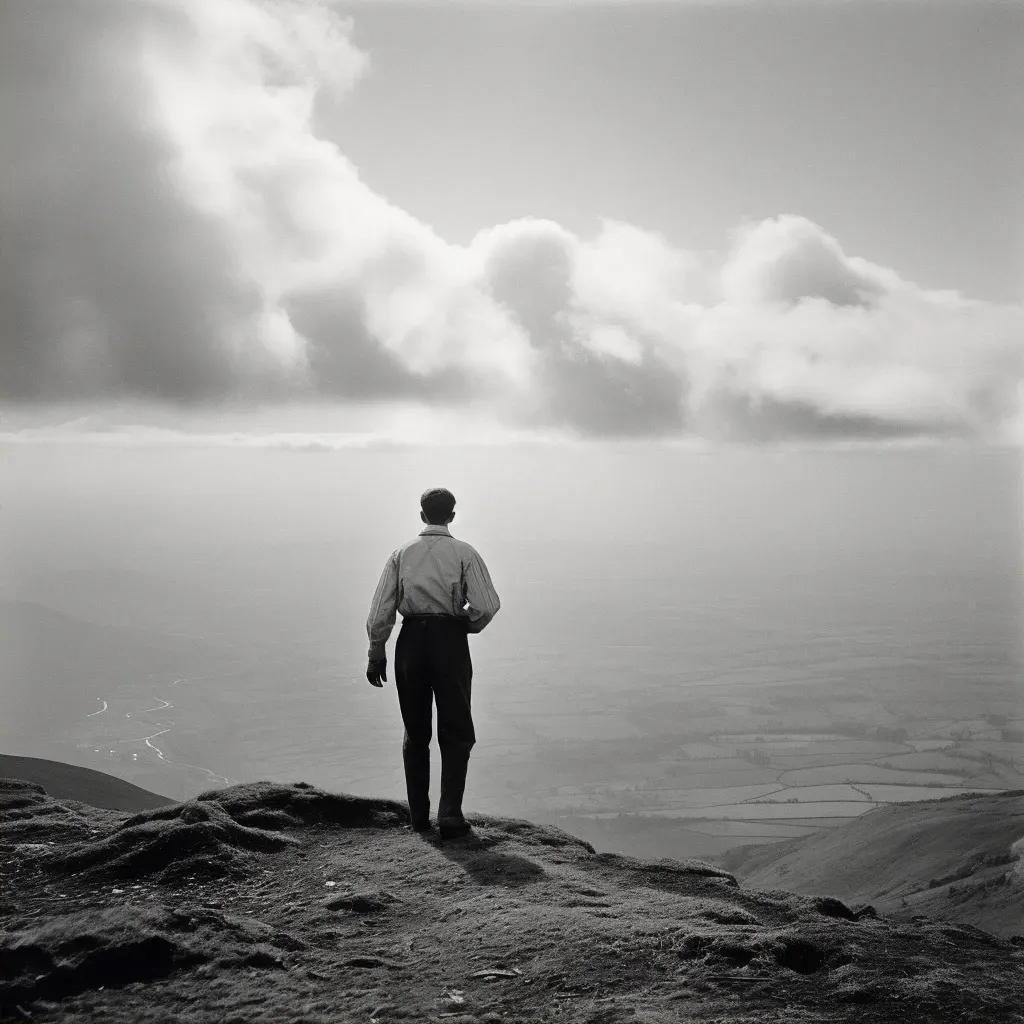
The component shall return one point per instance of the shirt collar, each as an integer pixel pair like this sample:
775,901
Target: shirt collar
435,530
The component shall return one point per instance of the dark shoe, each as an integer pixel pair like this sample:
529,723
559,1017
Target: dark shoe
453,828
422,826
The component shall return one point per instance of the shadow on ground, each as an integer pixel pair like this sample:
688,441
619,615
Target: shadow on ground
476,855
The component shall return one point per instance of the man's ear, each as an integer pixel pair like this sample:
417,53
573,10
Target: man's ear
451,517
423,517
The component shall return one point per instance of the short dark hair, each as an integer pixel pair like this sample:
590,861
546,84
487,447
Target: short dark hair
438,504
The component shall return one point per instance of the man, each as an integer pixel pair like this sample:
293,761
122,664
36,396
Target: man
443,591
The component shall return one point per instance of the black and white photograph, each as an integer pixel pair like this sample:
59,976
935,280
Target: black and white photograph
512,511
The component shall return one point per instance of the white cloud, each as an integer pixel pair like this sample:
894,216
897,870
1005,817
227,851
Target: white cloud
851,345
788,258
177,231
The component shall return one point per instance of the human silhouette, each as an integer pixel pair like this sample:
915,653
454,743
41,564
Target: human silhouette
443,591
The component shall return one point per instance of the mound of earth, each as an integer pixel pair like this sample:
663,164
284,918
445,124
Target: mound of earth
272,903
213,836
30,817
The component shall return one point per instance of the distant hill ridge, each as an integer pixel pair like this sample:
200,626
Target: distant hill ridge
957,859
70,782
292,904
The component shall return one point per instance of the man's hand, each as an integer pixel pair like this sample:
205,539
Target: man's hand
377,671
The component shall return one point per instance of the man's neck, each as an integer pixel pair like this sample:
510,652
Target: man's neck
435,528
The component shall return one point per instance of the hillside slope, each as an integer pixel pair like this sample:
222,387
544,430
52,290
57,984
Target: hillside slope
69,782
272,903
952,859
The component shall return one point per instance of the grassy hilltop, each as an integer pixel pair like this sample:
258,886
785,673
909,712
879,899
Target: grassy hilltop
284,903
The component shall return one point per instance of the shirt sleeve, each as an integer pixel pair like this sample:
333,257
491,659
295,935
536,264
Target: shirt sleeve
381,620
481,596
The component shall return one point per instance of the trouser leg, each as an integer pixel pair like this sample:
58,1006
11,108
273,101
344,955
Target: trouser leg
454,766
412,680
452,678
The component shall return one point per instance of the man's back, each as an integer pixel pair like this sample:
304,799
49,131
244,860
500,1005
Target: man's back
436,574
432,574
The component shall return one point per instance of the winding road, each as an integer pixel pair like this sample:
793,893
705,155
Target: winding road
165,727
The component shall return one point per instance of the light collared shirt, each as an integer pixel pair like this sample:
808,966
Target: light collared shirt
433,574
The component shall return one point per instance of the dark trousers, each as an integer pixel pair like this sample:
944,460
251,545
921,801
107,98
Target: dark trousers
432,666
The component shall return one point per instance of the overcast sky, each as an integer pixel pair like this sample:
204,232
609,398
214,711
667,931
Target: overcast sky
892,125
723,220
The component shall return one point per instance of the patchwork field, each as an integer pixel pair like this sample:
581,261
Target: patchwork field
783,777
931,744
813,794
901,794
755,811
827,774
